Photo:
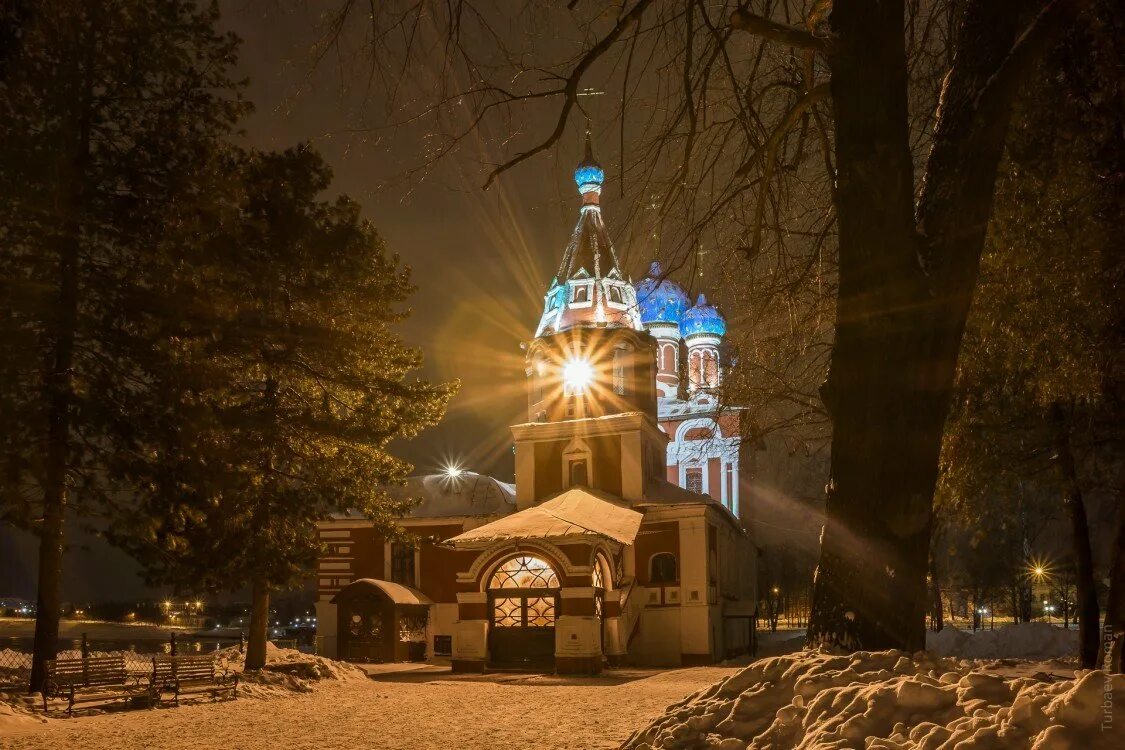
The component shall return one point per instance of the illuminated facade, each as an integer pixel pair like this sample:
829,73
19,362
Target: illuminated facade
705,448
598,554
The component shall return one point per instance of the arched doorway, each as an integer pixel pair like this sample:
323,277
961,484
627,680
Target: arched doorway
522,602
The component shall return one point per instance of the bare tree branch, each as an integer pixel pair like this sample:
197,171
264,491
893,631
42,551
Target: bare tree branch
817,94
775,31
570,91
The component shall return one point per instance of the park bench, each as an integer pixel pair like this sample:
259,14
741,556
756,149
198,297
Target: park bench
191,675
95,679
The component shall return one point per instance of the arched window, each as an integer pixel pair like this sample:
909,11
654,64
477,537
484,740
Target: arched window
711,368
621,370
524,572
668,355
602,575
538,370
662,568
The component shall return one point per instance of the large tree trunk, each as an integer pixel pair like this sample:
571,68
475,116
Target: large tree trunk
899,322
58,396
1114,638
1088,614
259,625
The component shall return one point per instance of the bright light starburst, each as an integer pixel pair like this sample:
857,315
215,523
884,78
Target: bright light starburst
577,374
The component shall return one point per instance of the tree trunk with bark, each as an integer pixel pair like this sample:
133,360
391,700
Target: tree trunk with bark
1088,613
259,625
1113,639
55,491
58,395
905,287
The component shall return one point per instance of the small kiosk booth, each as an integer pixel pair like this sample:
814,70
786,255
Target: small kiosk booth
381,621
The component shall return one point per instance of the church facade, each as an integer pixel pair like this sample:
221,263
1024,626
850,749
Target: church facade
621,539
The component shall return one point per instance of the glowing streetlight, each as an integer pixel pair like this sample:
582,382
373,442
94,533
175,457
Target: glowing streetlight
577,374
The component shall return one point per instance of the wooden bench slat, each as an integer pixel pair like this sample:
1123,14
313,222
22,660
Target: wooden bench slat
89,680
191,674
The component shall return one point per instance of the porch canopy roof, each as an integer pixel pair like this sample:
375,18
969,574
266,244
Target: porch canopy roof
571,515
396,592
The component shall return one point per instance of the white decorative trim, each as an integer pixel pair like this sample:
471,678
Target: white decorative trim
491,552
577,450
608,425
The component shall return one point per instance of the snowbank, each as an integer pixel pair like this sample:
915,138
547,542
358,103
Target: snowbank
1026,640
287,670
17,713
890,701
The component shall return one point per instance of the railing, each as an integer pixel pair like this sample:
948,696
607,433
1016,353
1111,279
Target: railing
15,666
631,609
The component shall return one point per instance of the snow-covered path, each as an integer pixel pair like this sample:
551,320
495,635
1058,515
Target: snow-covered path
401,711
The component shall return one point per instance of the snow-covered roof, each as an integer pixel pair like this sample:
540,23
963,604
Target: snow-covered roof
396,592
574,513
700,402
662,492
445,496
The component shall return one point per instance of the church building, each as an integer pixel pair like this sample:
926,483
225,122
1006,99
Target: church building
620,541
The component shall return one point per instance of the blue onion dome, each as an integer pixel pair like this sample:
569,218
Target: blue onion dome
589,175
660,300
703,319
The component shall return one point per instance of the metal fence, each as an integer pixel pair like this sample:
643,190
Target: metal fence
15,666
15,669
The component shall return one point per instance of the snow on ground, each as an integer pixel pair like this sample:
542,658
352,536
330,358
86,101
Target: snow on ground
891,701
801,701
404,710
1027,640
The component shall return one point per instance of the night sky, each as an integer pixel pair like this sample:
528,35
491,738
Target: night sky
481,260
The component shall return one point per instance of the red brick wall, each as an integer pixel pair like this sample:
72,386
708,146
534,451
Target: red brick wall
438,566
368,550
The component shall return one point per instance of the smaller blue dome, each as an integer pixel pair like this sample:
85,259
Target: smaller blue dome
660,300
703,319
589,178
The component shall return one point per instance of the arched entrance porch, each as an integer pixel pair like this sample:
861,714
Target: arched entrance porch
523,595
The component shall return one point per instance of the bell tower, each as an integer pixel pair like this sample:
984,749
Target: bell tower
591,371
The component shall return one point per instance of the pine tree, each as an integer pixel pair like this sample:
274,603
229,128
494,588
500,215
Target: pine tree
105,109
1041,386
272,402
